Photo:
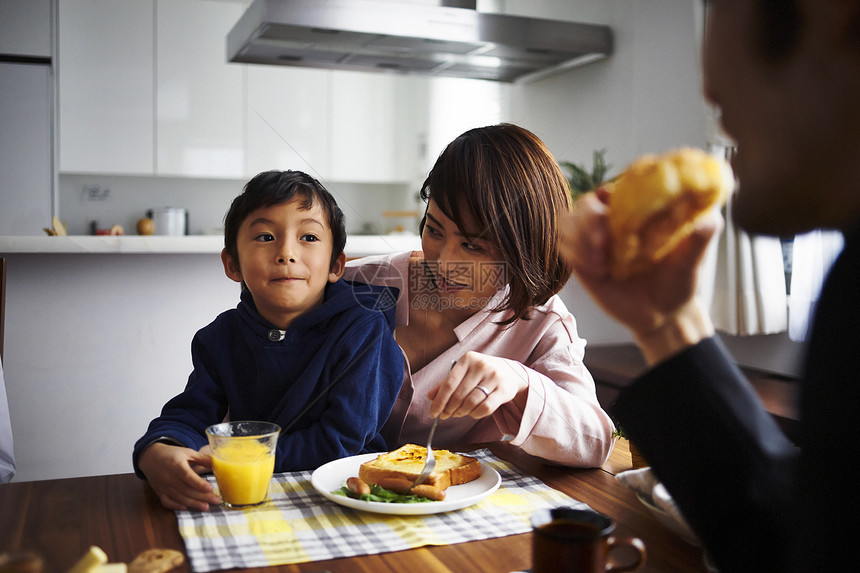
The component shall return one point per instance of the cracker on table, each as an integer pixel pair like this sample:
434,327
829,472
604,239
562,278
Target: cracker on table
156,561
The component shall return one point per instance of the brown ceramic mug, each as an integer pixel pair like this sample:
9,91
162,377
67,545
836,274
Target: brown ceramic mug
567,540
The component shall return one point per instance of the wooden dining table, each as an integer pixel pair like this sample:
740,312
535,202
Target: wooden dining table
60,519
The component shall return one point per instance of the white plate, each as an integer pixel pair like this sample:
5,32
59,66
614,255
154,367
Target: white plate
333,475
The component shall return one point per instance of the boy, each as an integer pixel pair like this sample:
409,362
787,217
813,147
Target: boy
303,349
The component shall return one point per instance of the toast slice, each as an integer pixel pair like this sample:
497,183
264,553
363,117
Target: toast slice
407,462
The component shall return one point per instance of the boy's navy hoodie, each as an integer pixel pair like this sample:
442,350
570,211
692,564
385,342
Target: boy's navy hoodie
331,380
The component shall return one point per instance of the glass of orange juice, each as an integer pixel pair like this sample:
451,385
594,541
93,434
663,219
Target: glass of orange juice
243,460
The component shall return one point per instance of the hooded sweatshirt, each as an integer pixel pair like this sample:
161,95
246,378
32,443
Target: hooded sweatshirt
329,380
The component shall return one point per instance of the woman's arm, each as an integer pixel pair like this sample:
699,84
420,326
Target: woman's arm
562,420
538,391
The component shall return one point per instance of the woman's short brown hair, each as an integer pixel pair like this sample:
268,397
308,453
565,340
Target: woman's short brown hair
505,179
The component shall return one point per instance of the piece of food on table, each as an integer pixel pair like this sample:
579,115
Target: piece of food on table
21,562
408,461
156,561
655,203
94,557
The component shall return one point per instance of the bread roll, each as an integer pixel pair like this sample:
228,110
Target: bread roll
655,202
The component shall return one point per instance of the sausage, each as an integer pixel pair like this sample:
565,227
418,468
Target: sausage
397,485
404,486
429,491
357,486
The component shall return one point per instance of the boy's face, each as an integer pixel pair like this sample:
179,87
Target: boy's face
284,260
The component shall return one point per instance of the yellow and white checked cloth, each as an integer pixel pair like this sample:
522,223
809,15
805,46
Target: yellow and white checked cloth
300,525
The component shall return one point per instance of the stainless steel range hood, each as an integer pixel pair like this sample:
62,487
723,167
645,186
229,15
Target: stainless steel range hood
435,39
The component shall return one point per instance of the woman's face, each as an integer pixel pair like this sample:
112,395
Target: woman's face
466,272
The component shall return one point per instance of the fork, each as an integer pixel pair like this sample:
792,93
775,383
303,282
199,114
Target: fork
430,463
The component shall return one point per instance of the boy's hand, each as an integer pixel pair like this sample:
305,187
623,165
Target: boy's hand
172,475
207,467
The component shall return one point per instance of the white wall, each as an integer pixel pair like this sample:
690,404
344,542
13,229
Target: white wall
94,347
645,98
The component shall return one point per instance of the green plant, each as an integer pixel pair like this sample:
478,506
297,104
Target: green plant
580,179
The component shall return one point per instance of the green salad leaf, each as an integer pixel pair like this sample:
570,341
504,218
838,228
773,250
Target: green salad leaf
382,495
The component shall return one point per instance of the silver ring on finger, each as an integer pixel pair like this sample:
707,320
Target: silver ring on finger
482,389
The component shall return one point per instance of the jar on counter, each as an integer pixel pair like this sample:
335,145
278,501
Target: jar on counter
170,221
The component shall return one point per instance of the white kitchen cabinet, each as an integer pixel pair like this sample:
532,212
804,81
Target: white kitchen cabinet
25,28
288,119
368,127
200,125
335,125
26,171
145,89
106,86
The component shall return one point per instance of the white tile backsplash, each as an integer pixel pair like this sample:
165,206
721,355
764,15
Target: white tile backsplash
114,199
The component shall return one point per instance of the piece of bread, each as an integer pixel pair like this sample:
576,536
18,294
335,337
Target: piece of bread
156,561
407,461
655,202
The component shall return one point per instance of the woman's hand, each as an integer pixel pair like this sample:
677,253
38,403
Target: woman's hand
476,386
658,305
171,471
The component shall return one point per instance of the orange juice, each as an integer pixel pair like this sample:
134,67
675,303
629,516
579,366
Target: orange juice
243,468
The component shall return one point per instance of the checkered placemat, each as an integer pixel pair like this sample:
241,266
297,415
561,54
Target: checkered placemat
300,525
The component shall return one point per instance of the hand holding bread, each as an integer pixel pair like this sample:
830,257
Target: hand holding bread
655,202
636,245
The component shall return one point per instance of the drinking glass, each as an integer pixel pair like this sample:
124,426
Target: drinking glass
243,460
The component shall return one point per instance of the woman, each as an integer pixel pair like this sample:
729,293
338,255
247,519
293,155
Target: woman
490,348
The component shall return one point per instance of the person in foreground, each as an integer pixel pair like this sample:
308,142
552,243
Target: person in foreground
303,348
491,349
786,75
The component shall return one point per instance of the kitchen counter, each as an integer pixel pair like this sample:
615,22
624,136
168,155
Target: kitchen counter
356,245
102,326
